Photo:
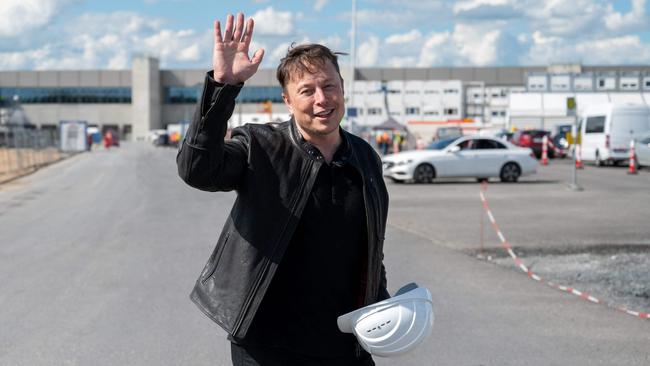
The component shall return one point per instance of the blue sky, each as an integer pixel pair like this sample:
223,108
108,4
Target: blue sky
90,34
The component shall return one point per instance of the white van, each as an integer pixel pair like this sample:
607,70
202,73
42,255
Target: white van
607,129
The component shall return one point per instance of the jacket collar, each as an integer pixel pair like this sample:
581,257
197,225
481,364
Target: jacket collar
342,155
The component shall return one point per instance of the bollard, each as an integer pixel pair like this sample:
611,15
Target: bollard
578,153
545,150
632,168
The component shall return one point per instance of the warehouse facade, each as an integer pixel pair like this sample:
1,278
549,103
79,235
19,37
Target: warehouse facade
145,98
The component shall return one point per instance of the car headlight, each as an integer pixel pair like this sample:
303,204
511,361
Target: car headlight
404,162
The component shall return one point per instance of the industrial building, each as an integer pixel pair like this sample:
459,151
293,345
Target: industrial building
145,98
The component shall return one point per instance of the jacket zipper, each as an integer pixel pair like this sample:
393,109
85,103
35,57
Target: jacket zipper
365,199
265,268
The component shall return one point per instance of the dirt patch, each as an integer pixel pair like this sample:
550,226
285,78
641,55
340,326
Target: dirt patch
618,275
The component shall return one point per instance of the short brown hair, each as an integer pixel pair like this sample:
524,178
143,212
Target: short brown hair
303,58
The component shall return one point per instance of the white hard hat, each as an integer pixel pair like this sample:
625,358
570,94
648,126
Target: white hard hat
393,326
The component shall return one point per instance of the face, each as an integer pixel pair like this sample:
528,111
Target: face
316,102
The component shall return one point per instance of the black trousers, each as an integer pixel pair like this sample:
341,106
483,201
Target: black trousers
255,356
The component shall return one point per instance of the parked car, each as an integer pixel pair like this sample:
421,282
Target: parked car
533,139
607,129
444,133
479,157
642,150
504,135
441,144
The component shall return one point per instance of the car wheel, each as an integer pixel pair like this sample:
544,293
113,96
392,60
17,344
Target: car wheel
424,173
510,173
599,161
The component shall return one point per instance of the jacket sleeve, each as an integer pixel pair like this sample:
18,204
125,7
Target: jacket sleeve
205,161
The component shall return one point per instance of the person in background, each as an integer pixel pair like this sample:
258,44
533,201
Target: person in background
108,139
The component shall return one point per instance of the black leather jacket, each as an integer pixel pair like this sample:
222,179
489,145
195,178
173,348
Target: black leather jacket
273,170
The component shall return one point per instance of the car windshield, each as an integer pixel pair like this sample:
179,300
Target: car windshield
441,144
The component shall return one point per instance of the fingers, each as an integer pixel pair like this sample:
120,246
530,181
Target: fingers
257,57
239,27
217,32
248,34
227,37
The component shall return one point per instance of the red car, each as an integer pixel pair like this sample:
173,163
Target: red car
533,139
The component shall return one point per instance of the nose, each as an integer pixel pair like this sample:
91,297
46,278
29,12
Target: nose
319,96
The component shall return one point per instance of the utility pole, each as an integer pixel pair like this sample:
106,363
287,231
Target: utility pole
353,61
575,132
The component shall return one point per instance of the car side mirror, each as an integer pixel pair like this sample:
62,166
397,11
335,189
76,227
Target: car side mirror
454,149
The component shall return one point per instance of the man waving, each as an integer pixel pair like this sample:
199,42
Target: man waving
303,242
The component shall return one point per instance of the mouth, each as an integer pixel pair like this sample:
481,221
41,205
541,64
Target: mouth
324,113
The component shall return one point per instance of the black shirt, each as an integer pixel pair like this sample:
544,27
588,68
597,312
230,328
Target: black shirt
321,274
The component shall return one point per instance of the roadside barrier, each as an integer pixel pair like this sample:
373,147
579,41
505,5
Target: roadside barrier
578,152
23,150
545,150
632,168
520,264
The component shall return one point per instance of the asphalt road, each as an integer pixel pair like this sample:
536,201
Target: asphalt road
98,254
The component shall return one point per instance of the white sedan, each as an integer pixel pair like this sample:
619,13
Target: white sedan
479,157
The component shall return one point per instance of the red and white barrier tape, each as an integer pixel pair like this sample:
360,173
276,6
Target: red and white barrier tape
506,245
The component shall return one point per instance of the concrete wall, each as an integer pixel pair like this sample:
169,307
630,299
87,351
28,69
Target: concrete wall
146,96
63,78
99,114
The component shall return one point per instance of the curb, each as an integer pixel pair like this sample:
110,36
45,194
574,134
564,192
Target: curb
520,264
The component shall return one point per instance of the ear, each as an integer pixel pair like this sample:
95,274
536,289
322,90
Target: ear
342,86
287,102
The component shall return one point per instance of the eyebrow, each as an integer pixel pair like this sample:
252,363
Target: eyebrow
310,83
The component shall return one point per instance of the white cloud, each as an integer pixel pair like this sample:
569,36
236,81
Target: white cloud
473,4
82,44
333,42
191,53
477,44
278,52
273,58
368,52
17,60
579,19
602,51
438,49
20,16
411,36
389,18
119,61
486,9
636,19
271,22
319,4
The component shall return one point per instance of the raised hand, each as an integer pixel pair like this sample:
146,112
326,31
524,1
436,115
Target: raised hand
230,56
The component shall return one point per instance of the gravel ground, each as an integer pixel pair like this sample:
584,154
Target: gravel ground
619,276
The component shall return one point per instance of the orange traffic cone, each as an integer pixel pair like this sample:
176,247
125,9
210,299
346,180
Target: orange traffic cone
632,168
545,150
578,153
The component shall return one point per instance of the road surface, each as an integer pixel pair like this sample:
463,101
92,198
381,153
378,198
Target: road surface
98,254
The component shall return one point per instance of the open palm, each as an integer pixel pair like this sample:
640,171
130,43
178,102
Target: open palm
230,56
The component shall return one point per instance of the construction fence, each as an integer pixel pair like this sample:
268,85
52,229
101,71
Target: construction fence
23,150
